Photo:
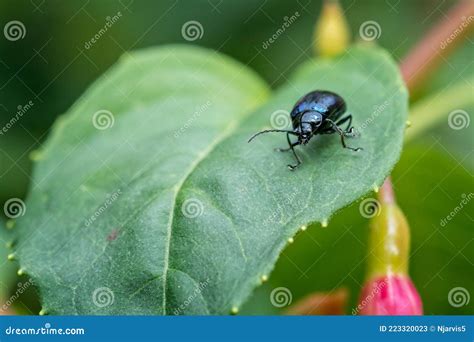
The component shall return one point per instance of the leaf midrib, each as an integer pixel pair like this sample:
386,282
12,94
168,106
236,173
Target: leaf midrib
177,188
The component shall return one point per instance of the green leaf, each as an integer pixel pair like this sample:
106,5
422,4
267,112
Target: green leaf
187,215
7,268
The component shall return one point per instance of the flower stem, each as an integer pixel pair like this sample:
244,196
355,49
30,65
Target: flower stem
440,41
422,61
426,113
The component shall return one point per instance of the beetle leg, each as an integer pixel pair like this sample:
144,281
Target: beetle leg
344,119
349,131
342,134
298,160
291,146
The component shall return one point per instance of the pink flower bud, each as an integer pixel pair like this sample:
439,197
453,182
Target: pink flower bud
389,289
392,294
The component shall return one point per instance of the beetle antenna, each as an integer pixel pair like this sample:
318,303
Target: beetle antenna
269,131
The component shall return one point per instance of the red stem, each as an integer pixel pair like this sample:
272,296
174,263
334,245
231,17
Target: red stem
443,37
386,194
427,55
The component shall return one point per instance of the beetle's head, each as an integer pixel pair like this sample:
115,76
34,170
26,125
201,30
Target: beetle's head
308,124
305,133
304,138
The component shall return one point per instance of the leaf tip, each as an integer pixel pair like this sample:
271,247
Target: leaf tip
324,223
36,155
234,310
10,224
11,257
376,188
43,312
303,227
264,278
20,272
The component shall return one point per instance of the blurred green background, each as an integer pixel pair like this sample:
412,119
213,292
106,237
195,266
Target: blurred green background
52,67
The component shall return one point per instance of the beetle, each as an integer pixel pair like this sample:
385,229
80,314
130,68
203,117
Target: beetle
318,112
